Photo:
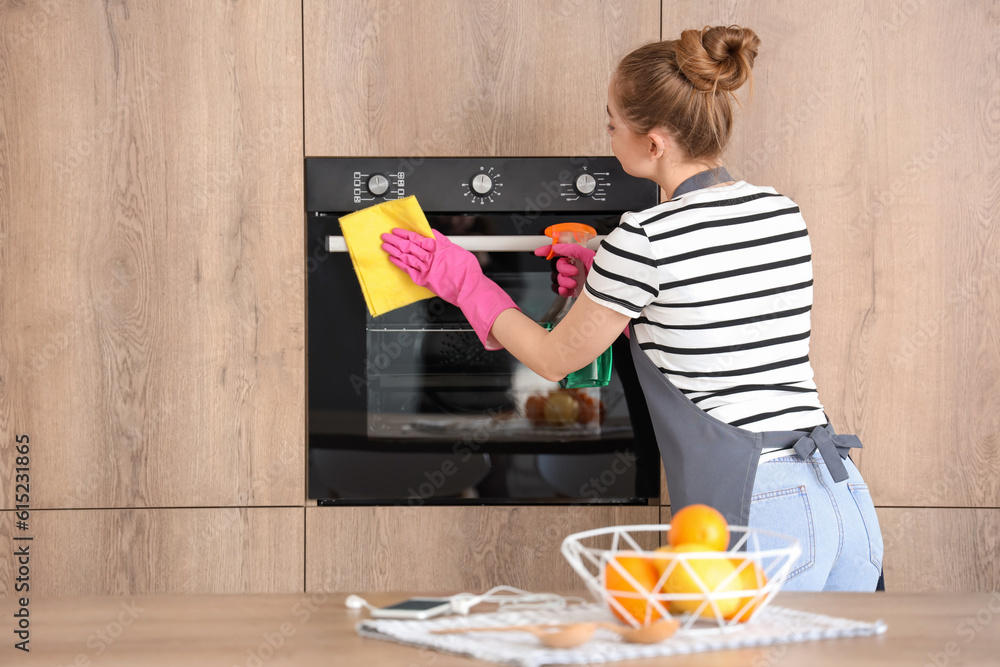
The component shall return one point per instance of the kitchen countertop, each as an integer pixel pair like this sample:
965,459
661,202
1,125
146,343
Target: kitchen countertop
316,629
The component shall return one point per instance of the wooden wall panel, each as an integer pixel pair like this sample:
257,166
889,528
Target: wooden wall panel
350,549
941,549
881,121
152,551
151,242
936,549
433,77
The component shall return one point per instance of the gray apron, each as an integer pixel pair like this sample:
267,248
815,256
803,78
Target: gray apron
708,461
705,459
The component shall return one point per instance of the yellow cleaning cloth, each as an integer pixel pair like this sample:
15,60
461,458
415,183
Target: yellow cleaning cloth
385,286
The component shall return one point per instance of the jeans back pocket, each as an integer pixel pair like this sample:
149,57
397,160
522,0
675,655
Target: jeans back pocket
786,512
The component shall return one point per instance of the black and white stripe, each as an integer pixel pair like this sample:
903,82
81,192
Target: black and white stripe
719,283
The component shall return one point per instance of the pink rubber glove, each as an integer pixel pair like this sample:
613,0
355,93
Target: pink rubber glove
567,281
454,274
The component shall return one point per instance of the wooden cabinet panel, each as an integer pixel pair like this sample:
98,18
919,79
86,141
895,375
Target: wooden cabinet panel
940,549
151,246
930,332
886,134
936,549
351,549
664,492
149,551
433,77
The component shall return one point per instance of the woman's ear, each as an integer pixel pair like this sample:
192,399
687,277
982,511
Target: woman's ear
659,144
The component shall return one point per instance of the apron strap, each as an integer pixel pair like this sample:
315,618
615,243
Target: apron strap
833,449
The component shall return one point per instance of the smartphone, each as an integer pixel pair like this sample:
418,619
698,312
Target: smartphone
414,608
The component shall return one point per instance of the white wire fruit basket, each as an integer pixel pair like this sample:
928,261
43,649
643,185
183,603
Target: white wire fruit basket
704,590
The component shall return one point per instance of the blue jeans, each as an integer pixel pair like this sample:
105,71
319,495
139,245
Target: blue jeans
835,524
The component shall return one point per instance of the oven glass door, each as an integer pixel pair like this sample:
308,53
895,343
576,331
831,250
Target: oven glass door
417,382
430,377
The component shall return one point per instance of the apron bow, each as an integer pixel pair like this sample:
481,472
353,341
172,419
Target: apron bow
833,449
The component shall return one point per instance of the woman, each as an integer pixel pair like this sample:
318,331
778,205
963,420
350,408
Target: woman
715,286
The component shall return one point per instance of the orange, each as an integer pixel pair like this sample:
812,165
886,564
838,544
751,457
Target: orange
588,408
699,524
661,558
748,578
642,569
712,572
534,409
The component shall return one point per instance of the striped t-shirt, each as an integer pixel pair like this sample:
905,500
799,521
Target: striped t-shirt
719,282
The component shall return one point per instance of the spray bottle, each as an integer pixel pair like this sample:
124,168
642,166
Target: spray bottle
598,372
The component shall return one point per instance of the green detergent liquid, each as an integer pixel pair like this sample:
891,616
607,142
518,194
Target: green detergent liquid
595,374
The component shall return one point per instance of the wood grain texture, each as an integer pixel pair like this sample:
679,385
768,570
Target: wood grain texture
664,492
946,549
151,284
882,121
451,548
936,549
317,630
159,551
433,77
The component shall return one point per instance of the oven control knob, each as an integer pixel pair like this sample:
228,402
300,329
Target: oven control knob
481,184
585,184
378,185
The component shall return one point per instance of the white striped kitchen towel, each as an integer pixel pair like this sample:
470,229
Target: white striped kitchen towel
772,625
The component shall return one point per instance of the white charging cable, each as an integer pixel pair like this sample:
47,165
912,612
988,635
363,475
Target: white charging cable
355,602
505,597
508,597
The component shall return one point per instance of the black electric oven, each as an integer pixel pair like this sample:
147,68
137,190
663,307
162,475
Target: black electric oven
408,408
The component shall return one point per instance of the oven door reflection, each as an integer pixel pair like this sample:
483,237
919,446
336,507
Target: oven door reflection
429,378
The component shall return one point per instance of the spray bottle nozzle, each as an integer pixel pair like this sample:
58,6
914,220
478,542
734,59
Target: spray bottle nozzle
569,232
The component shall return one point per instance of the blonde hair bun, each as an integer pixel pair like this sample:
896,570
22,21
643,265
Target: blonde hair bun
717,57
657,86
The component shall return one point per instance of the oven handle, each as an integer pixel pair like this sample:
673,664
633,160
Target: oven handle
512,243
